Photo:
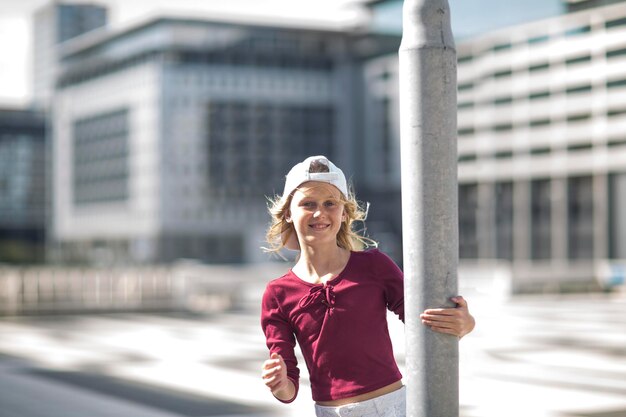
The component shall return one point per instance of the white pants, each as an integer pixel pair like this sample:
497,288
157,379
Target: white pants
388,405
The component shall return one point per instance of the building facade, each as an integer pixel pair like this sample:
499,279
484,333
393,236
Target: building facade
22,186
53,24
542,148
577,5
169,134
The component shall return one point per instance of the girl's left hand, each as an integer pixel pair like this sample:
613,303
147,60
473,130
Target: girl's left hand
455,321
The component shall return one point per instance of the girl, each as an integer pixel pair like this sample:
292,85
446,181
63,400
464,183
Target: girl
334,301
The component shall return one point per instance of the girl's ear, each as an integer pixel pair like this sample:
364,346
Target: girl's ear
288,217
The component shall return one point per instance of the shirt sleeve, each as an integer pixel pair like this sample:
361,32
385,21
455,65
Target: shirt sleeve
279,336
393,278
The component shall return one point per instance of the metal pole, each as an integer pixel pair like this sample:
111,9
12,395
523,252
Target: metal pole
429,202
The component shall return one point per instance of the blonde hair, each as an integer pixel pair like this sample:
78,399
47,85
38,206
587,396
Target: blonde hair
347,238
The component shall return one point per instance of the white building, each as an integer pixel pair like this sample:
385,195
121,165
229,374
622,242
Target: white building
168,134
542,147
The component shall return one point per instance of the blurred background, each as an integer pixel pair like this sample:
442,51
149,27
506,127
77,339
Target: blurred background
139,140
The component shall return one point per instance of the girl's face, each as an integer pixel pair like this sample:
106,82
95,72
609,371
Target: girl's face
317,212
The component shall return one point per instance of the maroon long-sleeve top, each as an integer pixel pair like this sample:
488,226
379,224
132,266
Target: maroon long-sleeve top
341,327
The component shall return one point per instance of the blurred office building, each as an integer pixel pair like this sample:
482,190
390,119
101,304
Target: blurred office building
53,24
24,144
541,147
22,186
169,133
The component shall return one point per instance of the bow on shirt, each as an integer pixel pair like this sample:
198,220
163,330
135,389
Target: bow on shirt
322,293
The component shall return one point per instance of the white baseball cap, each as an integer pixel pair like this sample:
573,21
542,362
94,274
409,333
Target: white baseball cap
299,174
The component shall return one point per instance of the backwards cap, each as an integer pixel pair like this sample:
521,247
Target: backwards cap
300,173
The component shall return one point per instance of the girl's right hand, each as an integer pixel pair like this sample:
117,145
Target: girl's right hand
274,374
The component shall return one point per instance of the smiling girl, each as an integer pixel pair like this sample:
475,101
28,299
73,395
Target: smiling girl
334,301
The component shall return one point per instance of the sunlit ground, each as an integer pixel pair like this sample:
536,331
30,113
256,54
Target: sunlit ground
529,356
547,356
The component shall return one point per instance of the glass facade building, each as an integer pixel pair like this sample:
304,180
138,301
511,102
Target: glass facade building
54,24
22,186
541,147
169,134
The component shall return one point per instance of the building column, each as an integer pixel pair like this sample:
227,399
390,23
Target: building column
521,220
485,221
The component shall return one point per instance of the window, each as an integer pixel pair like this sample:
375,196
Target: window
579,147
539,95
503,127
100,158
578,31
616,83
541,219
504,220
580,217
539,67
617,215
502,74
504,155
578,117
616,53
502,47
616,112
538,39
540,151
578,89
466,131
252,145
503,100
224,248
615,23
465,86
467,158
577,60
21,174
385,137
468,209
616,142
539,122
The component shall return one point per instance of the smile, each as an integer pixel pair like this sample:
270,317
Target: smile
319,226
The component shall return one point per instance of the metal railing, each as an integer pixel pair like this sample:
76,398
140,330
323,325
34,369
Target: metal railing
185,287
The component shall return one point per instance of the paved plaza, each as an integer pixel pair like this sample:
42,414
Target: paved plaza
549,356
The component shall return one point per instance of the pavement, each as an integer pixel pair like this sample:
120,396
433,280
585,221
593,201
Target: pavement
539,356
546,357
